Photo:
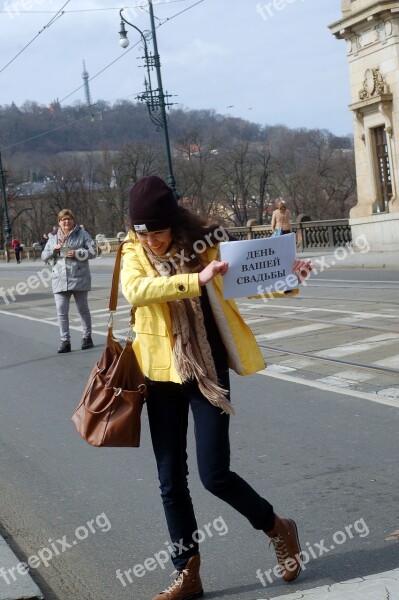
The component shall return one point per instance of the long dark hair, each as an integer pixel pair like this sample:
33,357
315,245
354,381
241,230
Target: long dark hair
193,234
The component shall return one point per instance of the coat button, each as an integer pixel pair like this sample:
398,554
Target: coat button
181,288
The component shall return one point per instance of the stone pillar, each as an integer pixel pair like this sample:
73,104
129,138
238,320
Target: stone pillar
371,31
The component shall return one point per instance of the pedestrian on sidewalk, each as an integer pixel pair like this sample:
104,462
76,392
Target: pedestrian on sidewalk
69,250
43,241
16,246
281,218
187,337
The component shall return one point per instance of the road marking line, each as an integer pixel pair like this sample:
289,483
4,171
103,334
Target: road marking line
46,322
282,333
306,309
346,378
315,384
328,388
391,361
260,320
370,343
389,392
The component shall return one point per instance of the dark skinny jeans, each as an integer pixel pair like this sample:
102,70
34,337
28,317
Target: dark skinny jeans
168,407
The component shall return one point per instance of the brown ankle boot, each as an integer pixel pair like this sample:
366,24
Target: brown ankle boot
187,585
284,537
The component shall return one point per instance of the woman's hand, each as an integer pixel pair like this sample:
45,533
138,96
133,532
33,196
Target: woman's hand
70,254
56,248
302,269
216,267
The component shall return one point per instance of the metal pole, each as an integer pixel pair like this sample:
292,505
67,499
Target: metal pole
7,225
157,65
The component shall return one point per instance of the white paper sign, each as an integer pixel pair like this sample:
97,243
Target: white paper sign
259,266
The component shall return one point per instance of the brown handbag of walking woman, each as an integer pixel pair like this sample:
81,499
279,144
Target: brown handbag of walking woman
109,412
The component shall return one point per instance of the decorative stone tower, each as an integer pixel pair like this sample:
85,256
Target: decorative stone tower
371,31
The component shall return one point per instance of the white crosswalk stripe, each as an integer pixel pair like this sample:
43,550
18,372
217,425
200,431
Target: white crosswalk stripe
391,362
346,378
292,331
371,343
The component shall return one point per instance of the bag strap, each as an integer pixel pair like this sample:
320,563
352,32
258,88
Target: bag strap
113,299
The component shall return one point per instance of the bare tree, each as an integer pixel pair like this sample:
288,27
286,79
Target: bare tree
197,182
314,176
244,171
118,172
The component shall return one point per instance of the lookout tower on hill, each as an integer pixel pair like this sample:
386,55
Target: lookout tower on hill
85,77
371,31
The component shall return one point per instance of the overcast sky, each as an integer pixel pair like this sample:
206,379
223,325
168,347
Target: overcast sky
271,62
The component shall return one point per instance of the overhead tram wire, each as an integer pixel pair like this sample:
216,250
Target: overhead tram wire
96,75
55,18
134,45
100,72
80,10
34,137
181,12
122,55
70,124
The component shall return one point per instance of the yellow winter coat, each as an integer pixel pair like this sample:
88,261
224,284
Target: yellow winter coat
145,289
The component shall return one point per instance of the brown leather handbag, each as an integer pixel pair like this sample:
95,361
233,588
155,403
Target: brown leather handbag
109,412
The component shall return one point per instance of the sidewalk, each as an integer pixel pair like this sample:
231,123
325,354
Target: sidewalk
337,258
23,588
341,258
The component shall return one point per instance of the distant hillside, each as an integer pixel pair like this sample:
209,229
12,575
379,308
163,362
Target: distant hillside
46,130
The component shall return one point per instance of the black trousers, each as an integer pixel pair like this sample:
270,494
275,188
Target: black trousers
168,407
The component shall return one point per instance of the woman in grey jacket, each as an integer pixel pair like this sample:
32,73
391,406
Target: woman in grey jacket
69,250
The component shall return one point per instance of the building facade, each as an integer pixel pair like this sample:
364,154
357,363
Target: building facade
370,29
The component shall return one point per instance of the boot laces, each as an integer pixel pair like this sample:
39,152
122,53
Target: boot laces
178,582
280,548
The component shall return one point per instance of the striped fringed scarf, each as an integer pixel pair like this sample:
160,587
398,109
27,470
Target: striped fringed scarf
191,351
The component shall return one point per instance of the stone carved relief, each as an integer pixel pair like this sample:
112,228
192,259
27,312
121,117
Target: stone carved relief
353,44
383,30
380,34
388,28
374,85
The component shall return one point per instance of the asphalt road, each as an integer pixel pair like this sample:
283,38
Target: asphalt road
326,459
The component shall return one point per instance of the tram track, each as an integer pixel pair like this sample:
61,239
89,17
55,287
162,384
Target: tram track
337,361
304,298
279,355
385,329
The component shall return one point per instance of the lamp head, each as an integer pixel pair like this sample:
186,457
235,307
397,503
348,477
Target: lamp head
124,40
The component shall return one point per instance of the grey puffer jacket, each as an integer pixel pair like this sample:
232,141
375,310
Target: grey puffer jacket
70,274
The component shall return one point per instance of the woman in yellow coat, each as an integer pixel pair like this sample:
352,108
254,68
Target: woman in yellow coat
187,338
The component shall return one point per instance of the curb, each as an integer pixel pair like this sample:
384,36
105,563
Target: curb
23,588
371,260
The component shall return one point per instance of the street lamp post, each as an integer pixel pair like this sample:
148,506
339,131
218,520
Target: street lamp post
7,225
155,99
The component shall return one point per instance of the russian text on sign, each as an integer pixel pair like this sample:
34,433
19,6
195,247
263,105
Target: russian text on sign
246,271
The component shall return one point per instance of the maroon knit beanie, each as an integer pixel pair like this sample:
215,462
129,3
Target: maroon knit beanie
152,205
